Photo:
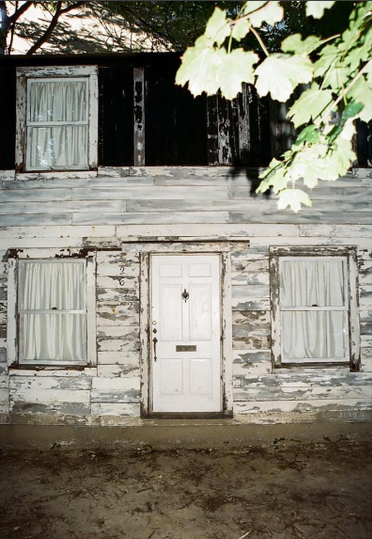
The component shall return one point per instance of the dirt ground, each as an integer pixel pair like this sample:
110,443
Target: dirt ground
286,489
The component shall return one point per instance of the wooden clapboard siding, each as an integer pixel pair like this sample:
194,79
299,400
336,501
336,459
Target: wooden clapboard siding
170,197
115,212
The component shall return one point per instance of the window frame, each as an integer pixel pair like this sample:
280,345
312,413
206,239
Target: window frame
352,344
31,74
14,315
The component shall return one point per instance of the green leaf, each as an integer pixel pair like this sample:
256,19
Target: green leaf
328,58
309,134
271,13
295,44
308,164
275,176
237,67
361,92
293,198
240,29
309,105
218,28
336,78
279,74
316,9
253,6
351,110
199,68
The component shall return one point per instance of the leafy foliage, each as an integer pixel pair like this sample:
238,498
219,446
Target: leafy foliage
338,69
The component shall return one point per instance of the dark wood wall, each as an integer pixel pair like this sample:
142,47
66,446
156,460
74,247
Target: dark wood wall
179,129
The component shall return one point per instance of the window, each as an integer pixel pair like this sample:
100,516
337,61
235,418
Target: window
55,300
314,306
56,118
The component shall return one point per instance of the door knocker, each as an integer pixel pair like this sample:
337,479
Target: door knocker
185,295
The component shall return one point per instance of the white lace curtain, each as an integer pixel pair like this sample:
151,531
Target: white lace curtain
49,291
52,144
313,308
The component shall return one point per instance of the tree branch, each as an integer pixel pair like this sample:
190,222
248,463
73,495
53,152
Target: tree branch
70,8
18,12
48,32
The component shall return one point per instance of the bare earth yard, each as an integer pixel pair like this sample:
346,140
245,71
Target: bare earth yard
288,489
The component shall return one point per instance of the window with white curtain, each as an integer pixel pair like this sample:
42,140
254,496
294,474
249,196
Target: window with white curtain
53,320
57,118
314,307
52,311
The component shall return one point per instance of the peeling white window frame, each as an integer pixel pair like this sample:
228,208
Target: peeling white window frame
26,74
14,337
348,254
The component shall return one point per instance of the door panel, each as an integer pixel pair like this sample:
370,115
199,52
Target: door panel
170,318
186,356
200,312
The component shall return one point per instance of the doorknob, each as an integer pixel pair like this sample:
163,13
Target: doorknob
155,340
185,295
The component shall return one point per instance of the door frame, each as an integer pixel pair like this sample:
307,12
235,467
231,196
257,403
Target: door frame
221,248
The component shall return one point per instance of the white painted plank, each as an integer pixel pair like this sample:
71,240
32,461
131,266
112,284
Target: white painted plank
115,410
119,358
222,230
118,371
17,232
49,396
152,218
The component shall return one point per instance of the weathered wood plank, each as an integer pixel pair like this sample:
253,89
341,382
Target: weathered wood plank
205,229
118,371
55,232
151,218
305,392
119,358
48,396
116,390
139,116
124,191
253,322
50,412
46,383
119,281
196,205
102,411
125,314
336,231
250,278
302,407
250,291
116,296
248,304
36,219
69,206
242,340
340,215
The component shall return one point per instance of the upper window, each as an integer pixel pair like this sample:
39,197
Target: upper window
314,308
57,118
54,310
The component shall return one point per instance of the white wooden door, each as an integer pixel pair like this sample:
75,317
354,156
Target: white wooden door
185,333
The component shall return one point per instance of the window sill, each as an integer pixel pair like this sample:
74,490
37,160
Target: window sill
62,370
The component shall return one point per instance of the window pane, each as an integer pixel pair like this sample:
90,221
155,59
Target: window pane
57,147
52,285
57,101
314,334
53,337
312,283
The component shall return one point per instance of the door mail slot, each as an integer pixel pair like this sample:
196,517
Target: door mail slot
185,348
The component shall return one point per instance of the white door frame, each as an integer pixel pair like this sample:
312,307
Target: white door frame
218,248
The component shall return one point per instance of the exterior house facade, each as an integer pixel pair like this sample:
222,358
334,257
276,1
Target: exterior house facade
141,278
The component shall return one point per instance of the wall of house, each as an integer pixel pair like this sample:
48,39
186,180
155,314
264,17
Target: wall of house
109,212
